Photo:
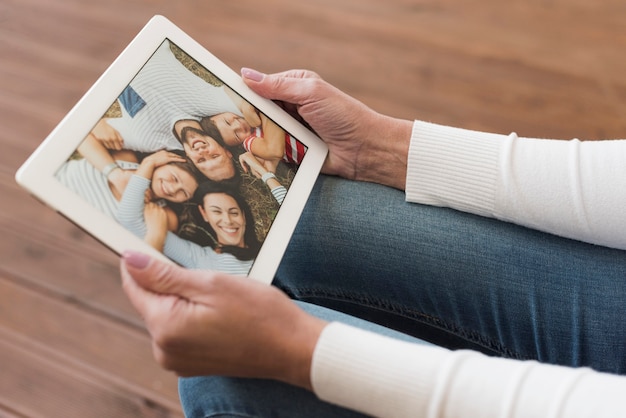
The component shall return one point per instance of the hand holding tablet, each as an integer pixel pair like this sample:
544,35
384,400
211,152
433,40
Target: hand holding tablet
171,154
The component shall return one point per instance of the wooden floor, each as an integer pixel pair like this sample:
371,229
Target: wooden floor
70,344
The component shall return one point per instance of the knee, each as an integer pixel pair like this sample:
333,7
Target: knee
208,397
216,396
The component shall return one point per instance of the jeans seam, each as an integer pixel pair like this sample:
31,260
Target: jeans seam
304,293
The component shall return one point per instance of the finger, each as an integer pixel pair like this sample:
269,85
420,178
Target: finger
141,299
163,278
293,86
174,156
157,310
119,143
298,74
243,162
110,143
168,158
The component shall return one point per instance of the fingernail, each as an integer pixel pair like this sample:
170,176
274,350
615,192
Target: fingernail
251,74
136,259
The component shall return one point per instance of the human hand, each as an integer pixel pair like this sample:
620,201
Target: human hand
155,215
107,135
251,164
363,144
211,323
156,219
155,160
250,114
258,167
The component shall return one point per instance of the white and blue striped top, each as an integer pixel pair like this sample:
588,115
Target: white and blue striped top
170,92
185,253
89,183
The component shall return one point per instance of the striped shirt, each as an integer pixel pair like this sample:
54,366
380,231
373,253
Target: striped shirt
279,193
170,92
185,253
89,183
294,149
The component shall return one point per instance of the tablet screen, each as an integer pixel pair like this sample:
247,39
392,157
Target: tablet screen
186,164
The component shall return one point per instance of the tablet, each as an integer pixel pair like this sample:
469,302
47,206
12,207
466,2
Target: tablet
171,154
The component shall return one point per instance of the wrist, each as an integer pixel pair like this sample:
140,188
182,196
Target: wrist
299,371
109,169
267,176
384,159
146,168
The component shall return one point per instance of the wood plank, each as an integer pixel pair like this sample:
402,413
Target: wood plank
5,412
60,254
37,382
114,351
365,40
540,68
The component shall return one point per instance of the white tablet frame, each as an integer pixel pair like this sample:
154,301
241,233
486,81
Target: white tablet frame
37,174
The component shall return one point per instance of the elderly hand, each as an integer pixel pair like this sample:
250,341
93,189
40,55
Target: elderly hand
210,323
363,144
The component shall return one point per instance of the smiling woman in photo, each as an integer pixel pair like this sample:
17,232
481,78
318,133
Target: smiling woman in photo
224,238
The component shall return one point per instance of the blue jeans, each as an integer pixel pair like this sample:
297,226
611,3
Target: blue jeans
455,279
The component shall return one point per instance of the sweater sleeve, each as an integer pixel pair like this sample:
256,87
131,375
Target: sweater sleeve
279,194
384,377
186,253
131,217
130,213
574,189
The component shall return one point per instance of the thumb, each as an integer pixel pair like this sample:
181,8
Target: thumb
158,277
293,86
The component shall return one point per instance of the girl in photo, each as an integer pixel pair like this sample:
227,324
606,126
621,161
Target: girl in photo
228,242
100,177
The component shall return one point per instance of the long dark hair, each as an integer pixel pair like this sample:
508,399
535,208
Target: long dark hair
208,124
194,228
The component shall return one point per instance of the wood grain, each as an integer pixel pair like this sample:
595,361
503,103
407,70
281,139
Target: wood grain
70,344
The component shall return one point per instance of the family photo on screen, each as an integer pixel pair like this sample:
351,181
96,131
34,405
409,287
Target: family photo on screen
187,165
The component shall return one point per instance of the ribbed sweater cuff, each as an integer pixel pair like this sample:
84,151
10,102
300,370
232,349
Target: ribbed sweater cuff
453,167
349,370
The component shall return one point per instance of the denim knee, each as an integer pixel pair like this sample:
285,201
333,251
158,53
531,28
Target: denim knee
216,396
